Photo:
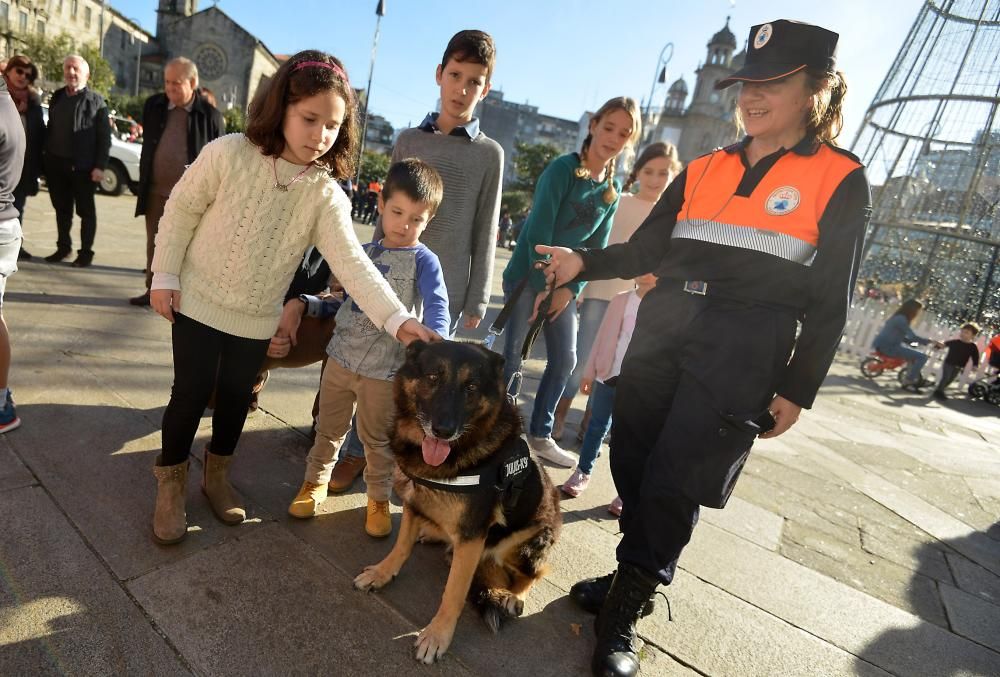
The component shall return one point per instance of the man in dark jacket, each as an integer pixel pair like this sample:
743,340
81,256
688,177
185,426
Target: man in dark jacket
76,155
176,126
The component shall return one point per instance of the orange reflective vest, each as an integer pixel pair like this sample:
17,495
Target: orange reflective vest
780,217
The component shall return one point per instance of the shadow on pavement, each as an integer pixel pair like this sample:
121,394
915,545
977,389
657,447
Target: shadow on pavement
972,611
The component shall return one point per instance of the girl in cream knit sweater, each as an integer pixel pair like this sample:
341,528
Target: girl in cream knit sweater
233,231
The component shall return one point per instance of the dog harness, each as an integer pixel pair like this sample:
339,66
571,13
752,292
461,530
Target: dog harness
504,473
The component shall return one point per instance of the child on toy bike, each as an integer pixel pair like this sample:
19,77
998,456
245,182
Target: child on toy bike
896,335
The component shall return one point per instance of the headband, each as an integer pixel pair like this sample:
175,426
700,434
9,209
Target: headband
337,70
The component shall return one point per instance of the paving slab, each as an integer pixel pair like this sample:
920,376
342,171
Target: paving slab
268,601
973,578
972,617
711,629
99,471
13,473
875,631
61,611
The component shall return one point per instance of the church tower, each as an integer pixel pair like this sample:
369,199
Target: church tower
718,64
708,122
170,10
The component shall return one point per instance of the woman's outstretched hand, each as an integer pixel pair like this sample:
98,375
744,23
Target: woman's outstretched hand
563,265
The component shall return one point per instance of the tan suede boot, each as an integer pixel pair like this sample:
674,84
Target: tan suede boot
226,503
169,519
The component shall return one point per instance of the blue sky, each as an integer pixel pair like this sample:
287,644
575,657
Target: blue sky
564,56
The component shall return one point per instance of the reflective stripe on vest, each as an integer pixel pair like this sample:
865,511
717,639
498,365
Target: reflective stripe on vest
780,217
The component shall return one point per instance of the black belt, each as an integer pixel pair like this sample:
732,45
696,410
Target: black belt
701,288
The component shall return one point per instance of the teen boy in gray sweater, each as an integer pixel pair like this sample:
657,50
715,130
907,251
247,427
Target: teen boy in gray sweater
463,234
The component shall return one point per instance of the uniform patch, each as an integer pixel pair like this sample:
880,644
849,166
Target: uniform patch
763,35
784,200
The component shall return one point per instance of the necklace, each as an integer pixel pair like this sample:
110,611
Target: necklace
283,187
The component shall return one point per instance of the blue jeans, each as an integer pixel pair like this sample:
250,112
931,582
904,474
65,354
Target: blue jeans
602,399
916,359
590,314
352,446
560,349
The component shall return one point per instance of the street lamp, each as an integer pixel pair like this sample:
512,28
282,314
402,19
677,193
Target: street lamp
379,13
659,75
138,59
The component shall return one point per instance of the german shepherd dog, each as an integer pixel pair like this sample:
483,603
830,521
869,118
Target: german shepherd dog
454,424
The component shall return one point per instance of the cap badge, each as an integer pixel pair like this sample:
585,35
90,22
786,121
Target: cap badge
784,200
763,35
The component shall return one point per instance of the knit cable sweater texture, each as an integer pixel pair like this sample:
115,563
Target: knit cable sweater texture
235,240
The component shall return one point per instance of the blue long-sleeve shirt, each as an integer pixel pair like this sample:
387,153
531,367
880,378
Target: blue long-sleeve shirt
895,332
415,275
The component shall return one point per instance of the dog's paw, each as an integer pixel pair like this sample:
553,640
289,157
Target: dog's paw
497,605
372,578
433,641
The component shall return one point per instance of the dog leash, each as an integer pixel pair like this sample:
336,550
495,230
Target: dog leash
514,386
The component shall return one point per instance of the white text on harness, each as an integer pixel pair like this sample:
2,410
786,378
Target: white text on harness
515,466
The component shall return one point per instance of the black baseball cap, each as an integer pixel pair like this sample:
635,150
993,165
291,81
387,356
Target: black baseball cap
781,48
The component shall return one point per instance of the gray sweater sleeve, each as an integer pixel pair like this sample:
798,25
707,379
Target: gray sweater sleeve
484,238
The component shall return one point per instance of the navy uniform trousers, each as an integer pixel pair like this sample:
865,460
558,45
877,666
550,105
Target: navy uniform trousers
697,369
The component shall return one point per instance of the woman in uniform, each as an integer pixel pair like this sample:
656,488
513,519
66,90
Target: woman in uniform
747,242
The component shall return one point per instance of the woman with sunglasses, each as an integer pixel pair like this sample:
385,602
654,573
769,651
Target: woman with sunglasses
20,74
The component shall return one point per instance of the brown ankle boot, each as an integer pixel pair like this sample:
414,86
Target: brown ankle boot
169,519
562,409
226,503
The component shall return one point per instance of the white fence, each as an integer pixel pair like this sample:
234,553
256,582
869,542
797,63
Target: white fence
867,317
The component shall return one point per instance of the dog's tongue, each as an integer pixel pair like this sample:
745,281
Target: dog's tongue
435,450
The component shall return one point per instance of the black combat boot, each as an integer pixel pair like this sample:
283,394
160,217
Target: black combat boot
590,593
615,654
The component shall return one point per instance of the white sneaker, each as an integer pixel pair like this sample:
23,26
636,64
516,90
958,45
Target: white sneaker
546,447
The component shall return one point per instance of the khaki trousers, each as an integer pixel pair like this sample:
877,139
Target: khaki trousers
338,393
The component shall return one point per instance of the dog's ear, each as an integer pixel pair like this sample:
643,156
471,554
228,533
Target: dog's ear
496,361
414,349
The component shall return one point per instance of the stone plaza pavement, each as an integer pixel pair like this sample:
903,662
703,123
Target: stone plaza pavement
863,542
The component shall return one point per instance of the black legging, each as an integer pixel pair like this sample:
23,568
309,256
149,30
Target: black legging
206,358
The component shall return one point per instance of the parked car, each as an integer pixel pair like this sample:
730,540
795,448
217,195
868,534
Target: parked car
123,165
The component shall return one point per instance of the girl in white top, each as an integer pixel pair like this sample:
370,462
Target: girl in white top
231,236
655,167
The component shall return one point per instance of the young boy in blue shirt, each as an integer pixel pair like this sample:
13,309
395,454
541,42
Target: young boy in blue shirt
364,359
464,232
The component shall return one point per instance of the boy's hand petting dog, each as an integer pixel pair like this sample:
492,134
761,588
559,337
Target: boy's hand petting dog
165,302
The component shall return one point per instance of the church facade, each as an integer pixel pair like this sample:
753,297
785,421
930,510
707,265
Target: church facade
231,61
707,121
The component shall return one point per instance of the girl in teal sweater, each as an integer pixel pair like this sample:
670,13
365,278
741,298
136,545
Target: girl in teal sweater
575,201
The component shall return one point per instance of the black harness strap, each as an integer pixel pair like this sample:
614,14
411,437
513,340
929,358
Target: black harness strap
504,473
